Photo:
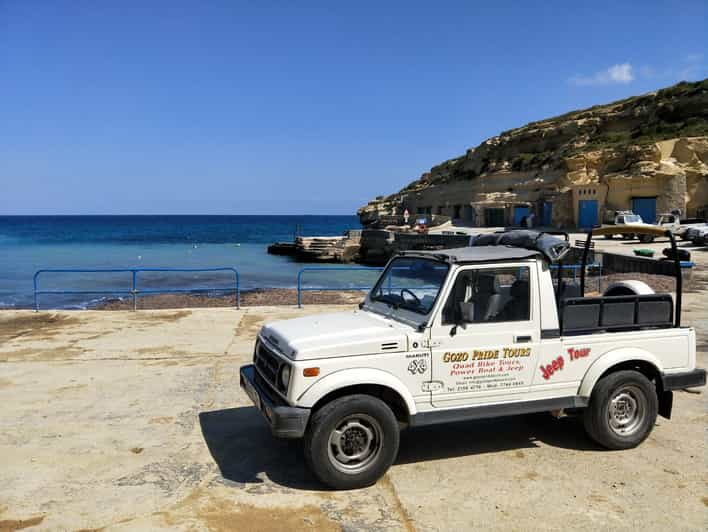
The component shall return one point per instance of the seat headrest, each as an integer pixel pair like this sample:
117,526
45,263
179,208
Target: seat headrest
519,289
488,284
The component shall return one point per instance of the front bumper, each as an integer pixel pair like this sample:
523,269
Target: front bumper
285,421
687,379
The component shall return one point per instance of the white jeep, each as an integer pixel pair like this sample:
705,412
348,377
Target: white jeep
463,334
629,221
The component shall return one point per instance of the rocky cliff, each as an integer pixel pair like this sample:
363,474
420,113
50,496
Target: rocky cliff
657,137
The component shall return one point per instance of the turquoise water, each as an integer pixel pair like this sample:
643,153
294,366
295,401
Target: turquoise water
28,244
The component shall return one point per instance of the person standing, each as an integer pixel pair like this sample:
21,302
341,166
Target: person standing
530,219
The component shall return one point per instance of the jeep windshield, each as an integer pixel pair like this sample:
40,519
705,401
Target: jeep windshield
409,285
632,219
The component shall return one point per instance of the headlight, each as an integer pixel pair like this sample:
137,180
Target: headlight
285,377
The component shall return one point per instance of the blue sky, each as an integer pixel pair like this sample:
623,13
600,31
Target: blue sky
299,107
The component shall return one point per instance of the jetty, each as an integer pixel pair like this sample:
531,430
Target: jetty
343,248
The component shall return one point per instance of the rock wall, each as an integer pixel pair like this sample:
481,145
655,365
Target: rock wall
655,145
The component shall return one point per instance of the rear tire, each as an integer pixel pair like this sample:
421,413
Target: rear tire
646,239
351,442
609,237
622,410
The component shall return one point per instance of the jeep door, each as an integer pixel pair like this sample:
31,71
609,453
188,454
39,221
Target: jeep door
485,339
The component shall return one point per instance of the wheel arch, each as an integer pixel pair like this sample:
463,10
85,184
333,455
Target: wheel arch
366,381
628,358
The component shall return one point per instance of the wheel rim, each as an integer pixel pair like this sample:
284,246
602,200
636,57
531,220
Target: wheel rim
627,410
355,443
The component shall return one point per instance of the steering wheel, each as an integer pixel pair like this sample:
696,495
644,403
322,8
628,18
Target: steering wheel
406,291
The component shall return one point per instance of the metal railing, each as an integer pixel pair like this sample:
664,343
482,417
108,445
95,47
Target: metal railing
134,290
301,289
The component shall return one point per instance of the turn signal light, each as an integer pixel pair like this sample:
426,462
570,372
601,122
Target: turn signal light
311,372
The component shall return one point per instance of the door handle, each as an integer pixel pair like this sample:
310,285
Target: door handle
522,339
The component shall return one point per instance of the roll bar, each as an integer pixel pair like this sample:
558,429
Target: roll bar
639,230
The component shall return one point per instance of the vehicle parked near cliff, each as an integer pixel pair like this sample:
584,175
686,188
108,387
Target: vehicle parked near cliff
629,221
675,224
469,333
698,235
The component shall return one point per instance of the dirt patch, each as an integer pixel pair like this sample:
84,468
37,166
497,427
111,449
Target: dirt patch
218,514
162,350
223,515
68,351
161,420
705,501
35,326
167,317
8,525
69,388
137,450
250,324
6,383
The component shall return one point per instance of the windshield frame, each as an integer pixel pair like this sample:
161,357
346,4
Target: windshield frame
404,314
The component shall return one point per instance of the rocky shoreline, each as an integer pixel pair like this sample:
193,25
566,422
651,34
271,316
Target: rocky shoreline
252,298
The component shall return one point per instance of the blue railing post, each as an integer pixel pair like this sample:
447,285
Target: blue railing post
238,288
135,291
299,288
34,281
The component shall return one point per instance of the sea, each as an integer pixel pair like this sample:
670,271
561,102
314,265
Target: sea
32,243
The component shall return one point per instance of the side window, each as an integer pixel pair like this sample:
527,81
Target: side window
489,296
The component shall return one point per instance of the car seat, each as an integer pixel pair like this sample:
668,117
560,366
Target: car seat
487,299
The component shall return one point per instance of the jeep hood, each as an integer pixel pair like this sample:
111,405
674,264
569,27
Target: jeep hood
336,334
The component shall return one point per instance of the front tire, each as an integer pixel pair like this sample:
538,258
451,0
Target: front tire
646,239
351,442
622,410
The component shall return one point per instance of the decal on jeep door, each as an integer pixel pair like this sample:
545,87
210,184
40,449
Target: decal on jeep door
487,369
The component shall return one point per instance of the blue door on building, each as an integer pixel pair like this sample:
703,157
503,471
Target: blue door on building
587,213
519,213
646,208
546,219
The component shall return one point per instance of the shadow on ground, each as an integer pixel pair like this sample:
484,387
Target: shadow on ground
492,436
244,450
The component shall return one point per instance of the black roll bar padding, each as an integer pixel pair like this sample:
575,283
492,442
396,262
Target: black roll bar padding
584,262
679,279
559,288
658,231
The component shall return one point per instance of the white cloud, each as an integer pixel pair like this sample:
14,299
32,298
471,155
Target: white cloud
621,74
693,58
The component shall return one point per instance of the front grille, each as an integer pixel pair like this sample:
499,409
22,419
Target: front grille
268,364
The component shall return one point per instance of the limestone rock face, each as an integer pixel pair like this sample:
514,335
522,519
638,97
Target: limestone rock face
659,137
